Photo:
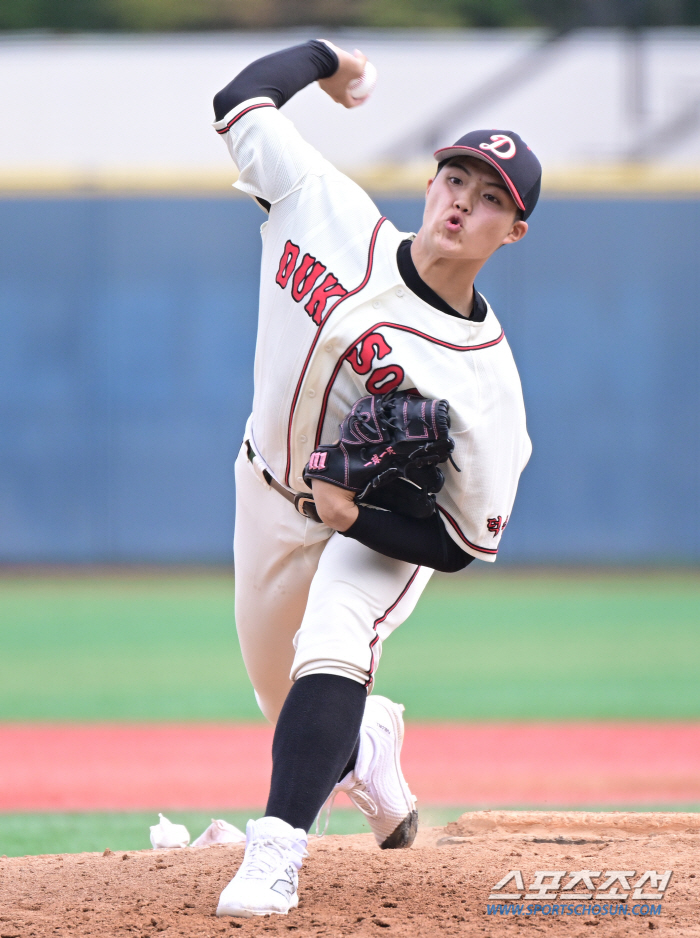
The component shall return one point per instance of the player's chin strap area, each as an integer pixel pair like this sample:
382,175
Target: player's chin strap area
304,504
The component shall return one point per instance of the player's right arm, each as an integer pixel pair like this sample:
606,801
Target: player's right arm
272,157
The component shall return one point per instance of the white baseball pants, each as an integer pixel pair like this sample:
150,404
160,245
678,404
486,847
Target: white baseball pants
308,600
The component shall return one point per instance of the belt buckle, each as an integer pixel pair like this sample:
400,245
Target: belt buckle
306,506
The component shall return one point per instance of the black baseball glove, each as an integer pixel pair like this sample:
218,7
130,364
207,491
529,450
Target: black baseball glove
389,450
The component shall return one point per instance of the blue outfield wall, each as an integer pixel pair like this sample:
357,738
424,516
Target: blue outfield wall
127,329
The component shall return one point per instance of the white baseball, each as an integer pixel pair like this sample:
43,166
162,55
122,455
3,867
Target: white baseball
362,87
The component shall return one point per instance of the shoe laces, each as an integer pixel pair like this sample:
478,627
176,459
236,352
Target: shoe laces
362,798
356,790
265,854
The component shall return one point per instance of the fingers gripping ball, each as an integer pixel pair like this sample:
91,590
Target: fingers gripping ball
388,452
362,87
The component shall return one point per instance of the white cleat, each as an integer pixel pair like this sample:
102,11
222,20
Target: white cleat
376,785
266,881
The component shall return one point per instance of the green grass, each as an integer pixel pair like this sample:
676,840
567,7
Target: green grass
487,645
77,832
550,647
34,834
121,648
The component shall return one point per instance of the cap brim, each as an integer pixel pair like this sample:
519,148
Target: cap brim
448,152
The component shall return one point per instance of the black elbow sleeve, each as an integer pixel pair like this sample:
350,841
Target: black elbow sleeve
454,560
278,76
221,102
421,541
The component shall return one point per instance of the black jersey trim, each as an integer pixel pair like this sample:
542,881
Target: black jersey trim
368,274
378,622
391,325
417,285
253,107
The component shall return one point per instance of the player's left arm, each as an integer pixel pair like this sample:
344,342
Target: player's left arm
423,541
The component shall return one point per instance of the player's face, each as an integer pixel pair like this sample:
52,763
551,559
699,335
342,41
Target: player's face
469,212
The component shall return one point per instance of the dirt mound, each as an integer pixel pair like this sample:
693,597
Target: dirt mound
609,824
349,887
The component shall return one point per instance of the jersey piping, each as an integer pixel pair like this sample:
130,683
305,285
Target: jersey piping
252,107
378,622
392,325
368,273
491,551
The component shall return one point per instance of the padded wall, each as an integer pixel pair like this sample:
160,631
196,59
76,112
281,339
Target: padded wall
127,330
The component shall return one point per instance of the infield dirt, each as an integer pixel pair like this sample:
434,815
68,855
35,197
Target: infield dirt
349,887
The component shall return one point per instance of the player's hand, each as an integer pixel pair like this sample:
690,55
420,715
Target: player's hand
350,67
335,506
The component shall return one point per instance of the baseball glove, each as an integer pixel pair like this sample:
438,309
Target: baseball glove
388,452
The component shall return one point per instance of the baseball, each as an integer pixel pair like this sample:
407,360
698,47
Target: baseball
362,87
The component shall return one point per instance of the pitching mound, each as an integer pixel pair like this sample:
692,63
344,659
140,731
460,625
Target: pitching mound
443,885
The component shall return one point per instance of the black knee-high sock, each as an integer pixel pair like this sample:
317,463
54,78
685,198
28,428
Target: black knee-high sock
351,761
314,745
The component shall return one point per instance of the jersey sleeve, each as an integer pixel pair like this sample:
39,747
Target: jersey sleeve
476,521
491,452
272,157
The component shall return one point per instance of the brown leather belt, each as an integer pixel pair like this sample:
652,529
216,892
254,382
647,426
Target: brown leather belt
304,504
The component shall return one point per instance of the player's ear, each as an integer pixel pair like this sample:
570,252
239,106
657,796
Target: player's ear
517,232
429,187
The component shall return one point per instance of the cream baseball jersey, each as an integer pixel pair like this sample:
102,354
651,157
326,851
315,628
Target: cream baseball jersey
336,321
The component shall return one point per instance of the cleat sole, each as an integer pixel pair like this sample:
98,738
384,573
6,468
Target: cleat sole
404,835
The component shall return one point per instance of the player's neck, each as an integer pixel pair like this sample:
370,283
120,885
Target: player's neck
452,280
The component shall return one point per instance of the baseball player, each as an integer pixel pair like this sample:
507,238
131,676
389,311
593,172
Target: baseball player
351,307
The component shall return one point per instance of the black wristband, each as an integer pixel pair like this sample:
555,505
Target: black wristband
278,76
421,541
